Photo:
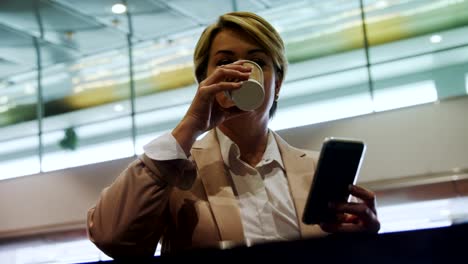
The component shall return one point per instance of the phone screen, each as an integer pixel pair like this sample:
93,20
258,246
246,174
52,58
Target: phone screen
338,167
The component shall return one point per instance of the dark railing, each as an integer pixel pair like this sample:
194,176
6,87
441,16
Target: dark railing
438,245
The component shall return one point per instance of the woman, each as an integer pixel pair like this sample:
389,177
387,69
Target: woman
240,184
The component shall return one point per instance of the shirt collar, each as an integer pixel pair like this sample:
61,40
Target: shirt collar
271,154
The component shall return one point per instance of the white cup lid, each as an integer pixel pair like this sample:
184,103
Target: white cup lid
250,96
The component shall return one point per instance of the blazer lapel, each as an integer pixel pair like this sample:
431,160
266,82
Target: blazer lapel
217,184
299,168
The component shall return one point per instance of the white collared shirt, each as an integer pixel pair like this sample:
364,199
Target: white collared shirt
265,202
266,207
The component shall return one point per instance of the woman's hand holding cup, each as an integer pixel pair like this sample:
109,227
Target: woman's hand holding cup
205,112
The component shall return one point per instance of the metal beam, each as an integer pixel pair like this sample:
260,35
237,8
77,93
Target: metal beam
131,77
40,98
235,7
366,50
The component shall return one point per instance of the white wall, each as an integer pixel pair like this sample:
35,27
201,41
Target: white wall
405,142
55,200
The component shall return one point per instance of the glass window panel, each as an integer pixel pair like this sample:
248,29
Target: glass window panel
328,34
98,142
18,107
19,157
164,84
446,68
23,144
421,215
19,130
324,98
398,29
53,53
315,85
405,95
17,53
154,123
8,68
86,99
325,65
87,90
19,143
161,69
324,43
164,99
322,111
466,83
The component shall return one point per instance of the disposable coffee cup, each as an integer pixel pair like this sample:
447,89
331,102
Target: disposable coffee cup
251,94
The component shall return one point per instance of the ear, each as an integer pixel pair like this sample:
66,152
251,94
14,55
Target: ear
278,82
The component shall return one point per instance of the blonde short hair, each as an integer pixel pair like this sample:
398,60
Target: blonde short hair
255,26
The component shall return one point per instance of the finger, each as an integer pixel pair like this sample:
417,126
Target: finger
239,62
232,72
368,197
247,67
365,215
341,228
215,88
340,217
349,218
361,192
352,223
359,209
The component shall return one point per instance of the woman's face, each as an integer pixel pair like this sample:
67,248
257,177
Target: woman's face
231,45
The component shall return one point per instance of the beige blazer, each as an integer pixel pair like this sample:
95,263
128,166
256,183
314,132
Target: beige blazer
185,204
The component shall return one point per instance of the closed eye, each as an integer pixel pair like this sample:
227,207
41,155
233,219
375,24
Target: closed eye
224,62
260,62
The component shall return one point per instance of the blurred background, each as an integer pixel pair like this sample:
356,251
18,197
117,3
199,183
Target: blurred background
85,84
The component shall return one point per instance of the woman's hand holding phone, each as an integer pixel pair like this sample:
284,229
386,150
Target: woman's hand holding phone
358,216
329,202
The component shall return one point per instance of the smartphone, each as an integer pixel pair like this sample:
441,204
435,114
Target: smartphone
338,166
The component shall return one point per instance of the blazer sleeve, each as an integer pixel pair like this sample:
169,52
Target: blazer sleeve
132,213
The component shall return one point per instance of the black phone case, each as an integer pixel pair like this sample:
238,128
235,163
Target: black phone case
338,166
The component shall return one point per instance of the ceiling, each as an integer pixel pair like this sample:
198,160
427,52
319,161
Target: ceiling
84,45
68,29
85,65
72,29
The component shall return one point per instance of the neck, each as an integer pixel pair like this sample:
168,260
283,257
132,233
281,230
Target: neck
251,141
